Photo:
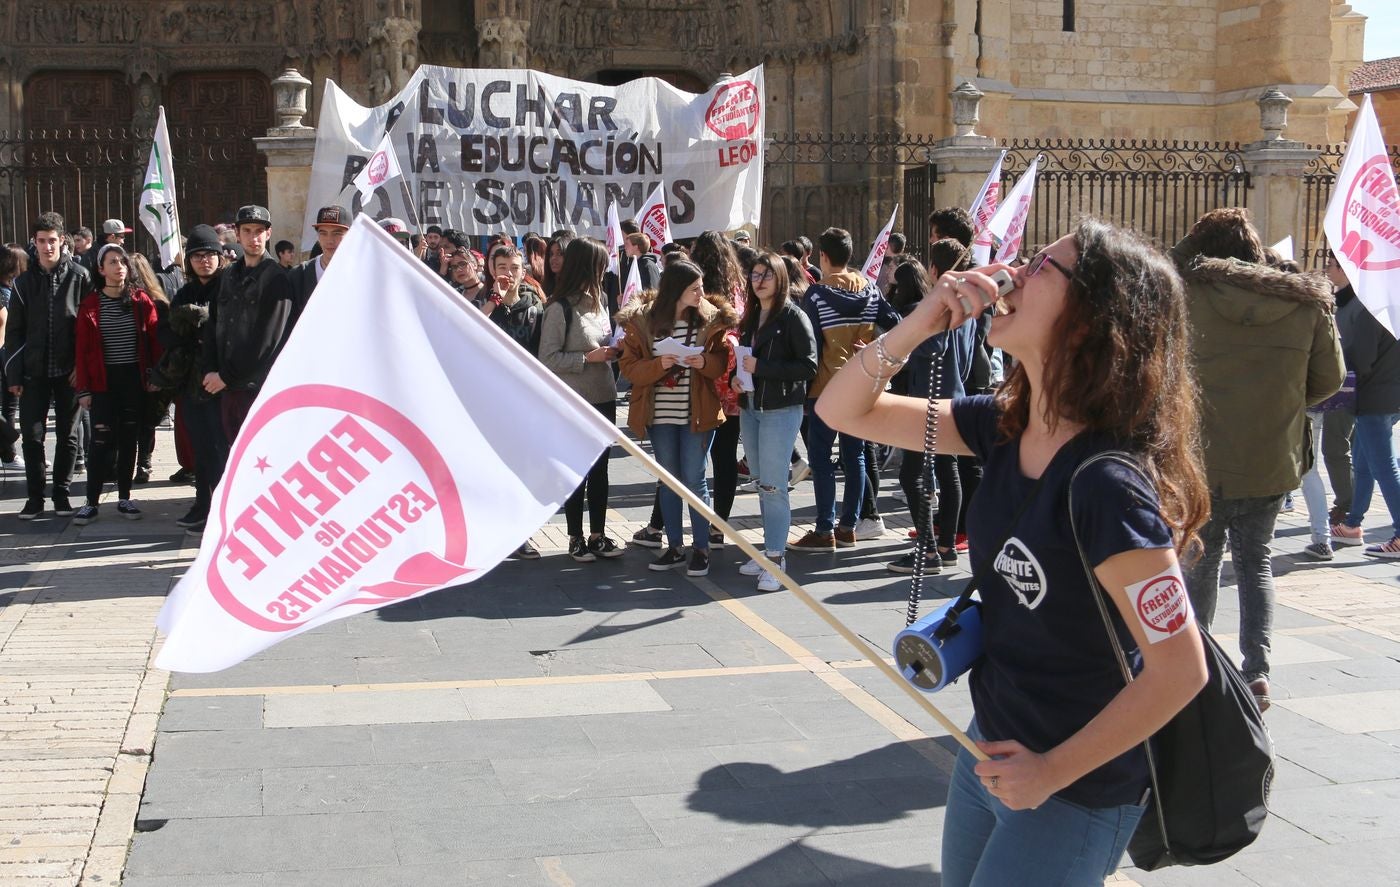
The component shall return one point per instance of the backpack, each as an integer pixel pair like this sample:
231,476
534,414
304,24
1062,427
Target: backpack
534,344
1211,765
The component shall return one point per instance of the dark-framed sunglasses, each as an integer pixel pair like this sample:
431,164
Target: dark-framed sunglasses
757,276
1039,261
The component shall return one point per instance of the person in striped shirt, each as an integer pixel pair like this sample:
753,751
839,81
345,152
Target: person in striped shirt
116,346
674,402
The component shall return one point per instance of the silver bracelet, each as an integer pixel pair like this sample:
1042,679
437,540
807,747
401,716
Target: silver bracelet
884,355
879,380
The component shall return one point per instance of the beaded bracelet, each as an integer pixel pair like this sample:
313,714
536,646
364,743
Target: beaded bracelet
878,379
884,355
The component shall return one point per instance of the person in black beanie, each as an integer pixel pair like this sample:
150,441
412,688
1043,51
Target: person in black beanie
182,369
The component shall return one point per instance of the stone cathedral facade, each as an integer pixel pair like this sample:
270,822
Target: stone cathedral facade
1050,69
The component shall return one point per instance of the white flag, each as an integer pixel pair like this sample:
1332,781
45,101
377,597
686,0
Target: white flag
383,165
357,483
634,283
1008,226
983,208
158,212
871,268
614,236
1363,220
655,220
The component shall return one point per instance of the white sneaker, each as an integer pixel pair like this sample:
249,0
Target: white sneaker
870,528
769,581
15,464
799,472
750,568
750,487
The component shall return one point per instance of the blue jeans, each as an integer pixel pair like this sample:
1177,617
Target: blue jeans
1373,463
768,439
986,844
683,454
820,438
1314,492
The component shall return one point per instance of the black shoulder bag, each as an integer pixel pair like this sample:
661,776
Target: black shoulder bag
1211,766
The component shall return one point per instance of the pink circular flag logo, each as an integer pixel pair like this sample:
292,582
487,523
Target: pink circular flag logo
327,489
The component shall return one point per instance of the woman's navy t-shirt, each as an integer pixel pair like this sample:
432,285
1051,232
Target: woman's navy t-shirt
1048,668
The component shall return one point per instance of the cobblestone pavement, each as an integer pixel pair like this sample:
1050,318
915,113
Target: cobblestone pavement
584,724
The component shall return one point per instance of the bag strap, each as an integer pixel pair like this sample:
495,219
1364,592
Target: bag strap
1101,598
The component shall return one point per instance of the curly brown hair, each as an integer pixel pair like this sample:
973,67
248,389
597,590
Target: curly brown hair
1125,369
1227,233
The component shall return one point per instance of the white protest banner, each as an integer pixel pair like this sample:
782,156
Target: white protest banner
633,287
614,236
871,268
1284,248
357,483
158,212
488,151
654,220
1008,226
383,165
1363,220
983,208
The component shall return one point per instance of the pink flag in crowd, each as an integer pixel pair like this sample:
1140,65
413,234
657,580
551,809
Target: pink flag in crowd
614,236
871,268
633,286
358,483
655,220
1008,226
1363,220
383,165
983,208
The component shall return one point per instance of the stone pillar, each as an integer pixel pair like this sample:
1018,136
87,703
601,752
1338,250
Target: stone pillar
965,158
289,146
1276,166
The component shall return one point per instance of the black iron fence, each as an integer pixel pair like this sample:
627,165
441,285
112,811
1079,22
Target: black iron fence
1319,179
89,175
1156,188
815,180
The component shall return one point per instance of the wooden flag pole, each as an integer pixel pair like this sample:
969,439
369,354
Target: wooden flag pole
792,585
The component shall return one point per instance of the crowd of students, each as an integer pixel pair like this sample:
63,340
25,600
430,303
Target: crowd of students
1201,366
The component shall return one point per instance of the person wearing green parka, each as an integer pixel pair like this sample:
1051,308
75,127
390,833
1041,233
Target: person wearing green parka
1265,348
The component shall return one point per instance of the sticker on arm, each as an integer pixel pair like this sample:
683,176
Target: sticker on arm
1162,605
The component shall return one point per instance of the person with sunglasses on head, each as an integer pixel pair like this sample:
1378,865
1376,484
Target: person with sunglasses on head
1098,324
782,361
116,347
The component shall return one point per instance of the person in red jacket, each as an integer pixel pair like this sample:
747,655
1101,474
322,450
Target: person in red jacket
116,346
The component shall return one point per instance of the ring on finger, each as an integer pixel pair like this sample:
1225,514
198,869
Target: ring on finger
995,780
966,305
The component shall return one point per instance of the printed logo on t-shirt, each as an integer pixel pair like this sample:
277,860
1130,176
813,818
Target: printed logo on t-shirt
1022,572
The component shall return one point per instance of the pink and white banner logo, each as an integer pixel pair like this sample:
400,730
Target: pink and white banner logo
359,497
356,483
1363,220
